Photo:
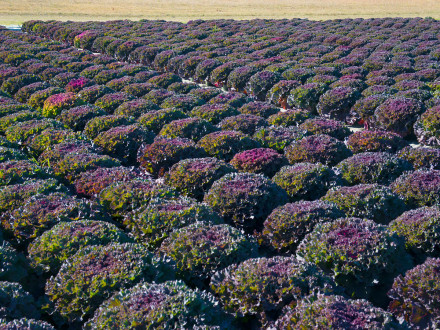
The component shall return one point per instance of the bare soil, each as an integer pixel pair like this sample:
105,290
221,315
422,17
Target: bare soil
17,11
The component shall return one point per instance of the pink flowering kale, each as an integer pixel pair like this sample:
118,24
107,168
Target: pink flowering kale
160,155
371,201
76,85
317,148
152,224
245,199
260,160
163,306
201,249
55,104
319,125
189,128
372,167
260,287
422,158
375,140
421,229
397,115
194,176
225,144
286,226
336,312
306,181
362,256
418,188
427,127
94,273
48,251
415,296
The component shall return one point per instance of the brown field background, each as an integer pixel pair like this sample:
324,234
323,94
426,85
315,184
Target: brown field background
18,11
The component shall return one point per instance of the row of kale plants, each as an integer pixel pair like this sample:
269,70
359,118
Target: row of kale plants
132,199
378,72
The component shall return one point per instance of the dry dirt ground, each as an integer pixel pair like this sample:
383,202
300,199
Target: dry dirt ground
18,11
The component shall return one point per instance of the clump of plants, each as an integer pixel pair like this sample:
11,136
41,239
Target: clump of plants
181,101
278,137
111,101
306,96
397,115
336,103
201,249
244,123
14,265
333,311
287,225
375,141
306,181
189,128
320,148
91,183
76,118
414,296
163,305
359,253
418,188
372,167
261,109
18,171
214,113
22,132
260,287
291,117
135,108
100,124
245,199
94,273
319,125
370,201
123,142
427,127
193,177
260,160
225,144
156,119
260,83
49,251
122,197
421,228
93,93
41,212
163,153
16,302
153,223
422,158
